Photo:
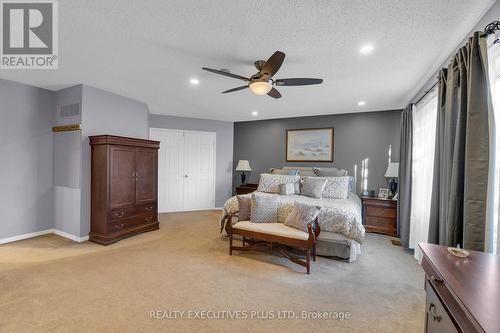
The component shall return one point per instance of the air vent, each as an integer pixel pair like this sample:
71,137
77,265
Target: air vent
70,110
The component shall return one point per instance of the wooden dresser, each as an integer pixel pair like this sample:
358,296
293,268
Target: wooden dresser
379,215
463,294
123,187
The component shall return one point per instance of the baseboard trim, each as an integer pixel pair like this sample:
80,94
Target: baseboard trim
41,233
70,236
25,236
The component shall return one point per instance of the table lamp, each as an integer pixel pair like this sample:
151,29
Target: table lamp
243,165
392,172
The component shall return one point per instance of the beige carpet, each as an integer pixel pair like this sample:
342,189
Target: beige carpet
49,284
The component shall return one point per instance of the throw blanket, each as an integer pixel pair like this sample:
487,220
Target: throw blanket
342,216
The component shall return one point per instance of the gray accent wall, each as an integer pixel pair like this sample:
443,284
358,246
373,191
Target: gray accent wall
356,136
224,149
26,149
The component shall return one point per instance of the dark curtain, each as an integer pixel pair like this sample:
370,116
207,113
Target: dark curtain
405,175
459,192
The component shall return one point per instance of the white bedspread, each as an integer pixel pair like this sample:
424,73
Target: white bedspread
342,216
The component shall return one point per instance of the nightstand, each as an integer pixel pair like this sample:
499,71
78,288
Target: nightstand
379,215
246,188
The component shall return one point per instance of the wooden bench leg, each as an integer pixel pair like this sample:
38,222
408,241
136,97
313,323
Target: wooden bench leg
308,260
231,244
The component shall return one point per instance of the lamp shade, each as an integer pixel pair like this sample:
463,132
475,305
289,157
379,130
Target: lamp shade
392,170
243,165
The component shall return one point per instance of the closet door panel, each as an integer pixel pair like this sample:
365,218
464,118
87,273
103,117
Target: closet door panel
146,176
199,154
122,177
170,169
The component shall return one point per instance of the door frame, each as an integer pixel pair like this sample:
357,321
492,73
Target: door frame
214,134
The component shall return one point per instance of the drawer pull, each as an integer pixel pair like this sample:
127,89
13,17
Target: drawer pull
148,219
118,226
149,208
120,214
436,279
432,313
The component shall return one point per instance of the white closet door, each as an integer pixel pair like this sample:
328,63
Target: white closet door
170,169
199,170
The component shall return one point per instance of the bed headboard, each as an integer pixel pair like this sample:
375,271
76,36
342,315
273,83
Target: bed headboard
304,171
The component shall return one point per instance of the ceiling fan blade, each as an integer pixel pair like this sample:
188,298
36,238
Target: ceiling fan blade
298,82
235,89
274,93
273,64
216,71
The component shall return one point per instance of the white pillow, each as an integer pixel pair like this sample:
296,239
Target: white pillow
270,183
336,187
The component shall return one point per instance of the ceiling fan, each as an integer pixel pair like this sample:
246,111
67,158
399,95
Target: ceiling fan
262,82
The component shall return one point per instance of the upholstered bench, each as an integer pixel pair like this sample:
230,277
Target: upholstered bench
271,234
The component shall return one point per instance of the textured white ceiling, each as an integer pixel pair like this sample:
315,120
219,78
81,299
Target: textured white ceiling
148,50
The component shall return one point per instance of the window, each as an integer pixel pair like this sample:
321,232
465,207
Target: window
424,137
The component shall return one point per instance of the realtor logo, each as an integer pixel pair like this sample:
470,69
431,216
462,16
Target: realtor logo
29,36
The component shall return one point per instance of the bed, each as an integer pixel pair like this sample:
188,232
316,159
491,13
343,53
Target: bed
340,220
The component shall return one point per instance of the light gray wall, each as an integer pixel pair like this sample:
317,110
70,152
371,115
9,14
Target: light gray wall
26,193
224,149
106,113
493,14
356,136
67,165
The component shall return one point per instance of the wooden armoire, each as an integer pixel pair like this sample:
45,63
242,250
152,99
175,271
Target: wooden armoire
124,191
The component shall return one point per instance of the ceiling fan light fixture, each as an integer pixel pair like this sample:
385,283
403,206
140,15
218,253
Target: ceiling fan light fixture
260,87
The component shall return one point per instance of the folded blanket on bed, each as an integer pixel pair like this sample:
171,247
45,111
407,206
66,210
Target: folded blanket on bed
342,216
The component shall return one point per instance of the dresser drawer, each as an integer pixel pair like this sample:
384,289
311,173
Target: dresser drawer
123,224
380,211
381,222
437,319
435,284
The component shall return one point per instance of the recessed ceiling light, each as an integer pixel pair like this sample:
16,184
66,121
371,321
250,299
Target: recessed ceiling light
366,49
361,103
255,113
194,81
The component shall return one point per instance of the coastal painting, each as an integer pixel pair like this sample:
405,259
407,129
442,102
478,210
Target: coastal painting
309,145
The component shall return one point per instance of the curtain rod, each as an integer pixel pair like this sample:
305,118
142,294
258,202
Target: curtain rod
491,28
488,30
427,92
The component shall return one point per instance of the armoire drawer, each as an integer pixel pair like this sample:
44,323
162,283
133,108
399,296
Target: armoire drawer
148,208
132,221
122,213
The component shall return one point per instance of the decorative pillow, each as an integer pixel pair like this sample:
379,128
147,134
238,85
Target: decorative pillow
302,214
270,183
330,172
284,172
313,186
297,187
264,208
336,187
244,204
287,189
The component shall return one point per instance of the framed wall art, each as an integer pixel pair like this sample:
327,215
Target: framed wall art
309,145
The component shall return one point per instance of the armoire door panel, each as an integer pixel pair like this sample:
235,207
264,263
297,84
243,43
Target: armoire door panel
146,176
122,177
